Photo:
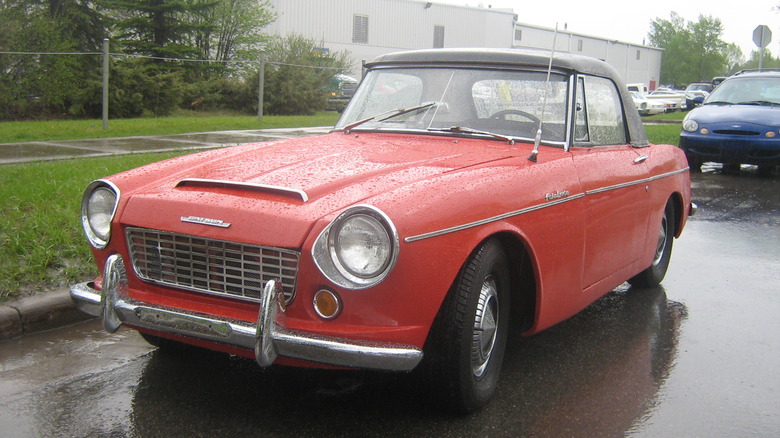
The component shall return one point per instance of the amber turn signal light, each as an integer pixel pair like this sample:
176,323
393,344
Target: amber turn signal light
327,304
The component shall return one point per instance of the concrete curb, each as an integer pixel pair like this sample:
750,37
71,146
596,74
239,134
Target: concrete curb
38,313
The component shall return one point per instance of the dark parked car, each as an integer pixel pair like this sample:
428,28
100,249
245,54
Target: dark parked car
739,123
700,86
340,89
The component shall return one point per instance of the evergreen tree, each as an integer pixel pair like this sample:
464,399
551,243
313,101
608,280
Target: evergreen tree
159,28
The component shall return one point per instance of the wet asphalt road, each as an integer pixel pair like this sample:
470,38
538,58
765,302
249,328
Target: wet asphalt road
696,358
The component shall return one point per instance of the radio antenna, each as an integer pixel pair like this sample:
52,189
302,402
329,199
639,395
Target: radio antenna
538,139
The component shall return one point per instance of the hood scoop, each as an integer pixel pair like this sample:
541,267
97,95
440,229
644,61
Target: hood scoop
236,185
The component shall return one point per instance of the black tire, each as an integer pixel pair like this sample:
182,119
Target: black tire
654,274
765,169
694,163
468,339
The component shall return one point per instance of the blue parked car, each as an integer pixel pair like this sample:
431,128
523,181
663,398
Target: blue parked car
739,123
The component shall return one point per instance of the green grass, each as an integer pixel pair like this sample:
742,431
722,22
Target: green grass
41,242
678,116
185,122
664,134
42,245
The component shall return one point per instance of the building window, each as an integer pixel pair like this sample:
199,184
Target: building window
360,29
638,55
579,45
518,34
438,37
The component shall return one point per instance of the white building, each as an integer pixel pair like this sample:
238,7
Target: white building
369,28
635,63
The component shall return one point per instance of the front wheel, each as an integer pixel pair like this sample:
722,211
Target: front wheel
654,274
469,336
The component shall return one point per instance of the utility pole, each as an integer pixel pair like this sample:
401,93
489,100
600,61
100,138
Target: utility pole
260,87
105,84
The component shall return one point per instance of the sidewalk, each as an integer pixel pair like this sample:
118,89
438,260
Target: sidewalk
64,149
55,309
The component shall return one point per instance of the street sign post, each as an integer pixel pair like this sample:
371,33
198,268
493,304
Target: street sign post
762,36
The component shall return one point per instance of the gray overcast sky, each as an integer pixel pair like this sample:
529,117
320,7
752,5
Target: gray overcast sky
629,20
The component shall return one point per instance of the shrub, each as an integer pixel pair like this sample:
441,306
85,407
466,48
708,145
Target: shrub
142,88
295,76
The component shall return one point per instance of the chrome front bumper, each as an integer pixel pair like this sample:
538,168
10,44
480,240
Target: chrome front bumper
267,337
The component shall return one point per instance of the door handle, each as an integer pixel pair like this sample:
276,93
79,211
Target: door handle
640,159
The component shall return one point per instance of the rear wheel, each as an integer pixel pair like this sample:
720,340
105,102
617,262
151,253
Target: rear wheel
654,274
469,336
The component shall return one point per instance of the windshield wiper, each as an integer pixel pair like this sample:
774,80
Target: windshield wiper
464,130
381,117
759,102
719,102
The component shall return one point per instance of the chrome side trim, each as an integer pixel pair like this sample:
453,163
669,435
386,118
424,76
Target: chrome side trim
268,338
243,185
491,219
637,182
478,223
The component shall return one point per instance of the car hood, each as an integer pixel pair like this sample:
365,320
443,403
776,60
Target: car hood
730,113
274,192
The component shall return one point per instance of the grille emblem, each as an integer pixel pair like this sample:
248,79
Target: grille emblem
205,221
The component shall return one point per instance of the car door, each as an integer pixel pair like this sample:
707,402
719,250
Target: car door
613,176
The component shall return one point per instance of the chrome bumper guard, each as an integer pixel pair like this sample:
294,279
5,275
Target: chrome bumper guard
267,338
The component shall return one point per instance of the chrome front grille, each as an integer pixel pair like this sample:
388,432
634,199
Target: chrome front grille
210,266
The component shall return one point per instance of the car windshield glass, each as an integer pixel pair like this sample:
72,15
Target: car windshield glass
750,91
492,103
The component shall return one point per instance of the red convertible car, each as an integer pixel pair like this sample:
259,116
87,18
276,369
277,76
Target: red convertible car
461,189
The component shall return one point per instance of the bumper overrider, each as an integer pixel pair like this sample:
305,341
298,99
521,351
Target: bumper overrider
267,337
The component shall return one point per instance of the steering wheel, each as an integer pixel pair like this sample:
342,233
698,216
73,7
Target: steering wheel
501,115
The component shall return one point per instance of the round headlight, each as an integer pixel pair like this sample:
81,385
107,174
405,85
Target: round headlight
690,125
362,246
97,211
358,249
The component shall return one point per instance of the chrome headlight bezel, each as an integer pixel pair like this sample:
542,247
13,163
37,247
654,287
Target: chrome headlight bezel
335,250
98,207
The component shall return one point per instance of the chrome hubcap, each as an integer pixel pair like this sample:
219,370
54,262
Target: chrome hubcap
659,249
485,326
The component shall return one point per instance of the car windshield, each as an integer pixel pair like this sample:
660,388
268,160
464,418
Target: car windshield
478,102
749,91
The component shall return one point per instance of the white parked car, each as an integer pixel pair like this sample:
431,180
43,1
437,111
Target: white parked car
645,106
673,100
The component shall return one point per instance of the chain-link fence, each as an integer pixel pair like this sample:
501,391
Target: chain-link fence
84,84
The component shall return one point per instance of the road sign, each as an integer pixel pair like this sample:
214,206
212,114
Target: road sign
762,36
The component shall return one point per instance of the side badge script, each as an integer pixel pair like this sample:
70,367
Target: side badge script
205,221
556,195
